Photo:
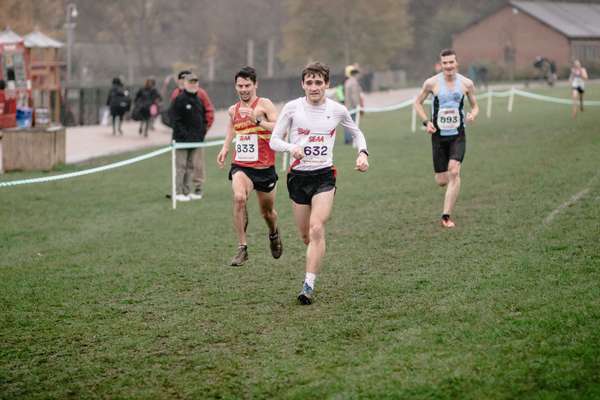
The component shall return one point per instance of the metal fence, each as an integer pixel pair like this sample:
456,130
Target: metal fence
81,106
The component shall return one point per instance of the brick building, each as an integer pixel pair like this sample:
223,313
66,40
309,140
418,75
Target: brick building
511,38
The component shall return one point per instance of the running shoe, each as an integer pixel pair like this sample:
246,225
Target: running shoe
306,295
241,257
447,223
275,244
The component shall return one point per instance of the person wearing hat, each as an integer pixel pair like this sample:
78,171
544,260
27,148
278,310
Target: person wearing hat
190,124
352,96
209,109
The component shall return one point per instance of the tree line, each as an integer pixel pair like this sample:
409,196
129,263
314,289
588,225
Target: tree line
214,35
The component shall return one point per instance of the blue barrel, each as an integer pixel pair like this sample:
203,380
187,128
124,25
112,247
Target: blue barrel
24,116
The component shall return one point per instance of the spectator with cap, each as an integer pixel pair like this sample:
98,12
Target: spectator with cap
190,124
209,109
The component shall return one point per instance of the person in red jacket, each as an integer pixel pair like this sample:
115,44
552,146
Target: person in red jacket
2,96
198,176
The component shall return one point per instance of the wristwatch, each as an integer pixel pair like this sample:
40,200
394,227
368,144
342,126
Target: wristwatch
365,152
425,122
258,121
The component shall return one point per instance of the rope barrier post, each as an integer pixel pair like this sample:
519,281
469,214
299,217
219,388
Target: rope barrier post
413,123
173,176
489,104
511,99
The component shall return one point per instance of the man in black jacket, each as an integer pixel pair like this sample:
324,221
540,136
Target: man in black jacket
189,125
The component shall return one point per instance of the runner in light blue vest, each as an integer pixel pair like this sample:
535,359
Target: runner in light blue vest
447,126
447,107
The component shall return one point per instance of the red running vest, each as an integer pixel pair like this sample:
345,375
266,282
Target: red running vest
252,141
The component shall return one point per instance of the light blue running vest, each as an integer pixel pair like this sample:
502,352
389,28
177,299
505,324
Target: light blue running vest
447,98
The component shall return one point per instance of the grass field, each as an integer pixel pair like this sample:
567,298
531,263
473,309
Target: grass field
105,292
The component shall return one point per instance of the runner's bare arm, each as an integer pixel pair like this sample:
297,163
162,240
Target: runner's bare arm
270,113
584,73
222,156
420,99
470,89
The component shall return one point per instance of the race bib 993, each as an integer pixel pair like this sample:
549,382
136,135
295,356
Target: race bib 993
448,118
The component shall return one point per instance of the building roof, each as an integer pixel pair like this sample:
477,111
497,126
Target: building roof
574,20
38,39
7,36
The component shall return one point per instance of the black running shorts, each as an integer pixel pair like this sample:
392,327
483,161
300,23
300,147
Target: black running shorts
303,185
446,148
579,89
264,180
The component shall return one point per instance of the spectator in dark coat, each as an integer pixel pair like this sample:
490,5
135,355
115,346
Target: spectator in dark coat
119,103
188,116
209,109
145,99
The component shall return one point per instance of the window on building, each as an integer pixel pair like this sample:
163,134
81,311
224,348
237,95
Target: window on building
587,51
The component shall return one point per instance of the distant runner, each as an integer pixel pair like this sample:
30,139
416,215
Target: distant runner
577,79
447,126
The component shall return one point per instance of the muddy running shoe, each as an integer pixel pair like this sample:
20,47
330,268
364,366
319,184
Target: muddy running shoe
275,244
306,295
241,257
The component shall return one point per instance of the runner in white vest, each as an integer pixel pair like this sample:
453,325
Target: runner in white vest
577,78
311,122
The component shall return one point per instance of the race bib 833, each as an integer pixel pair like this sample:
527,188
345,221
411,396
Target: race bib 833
246,148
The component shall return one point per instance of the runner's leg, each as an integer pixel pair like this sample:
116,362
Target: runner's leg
453,188
266,202
302,218
322,204
441,178
241,186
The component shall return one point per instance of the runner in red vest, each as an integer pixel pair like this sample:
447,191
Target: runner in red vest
253,167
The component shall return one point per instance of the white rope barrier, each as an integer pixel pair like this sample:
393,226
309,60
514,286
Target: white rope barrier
113,165
87,171
511,93
549,99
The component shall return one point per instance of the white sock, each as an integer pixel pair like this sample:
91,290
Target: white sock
310,279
